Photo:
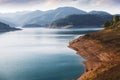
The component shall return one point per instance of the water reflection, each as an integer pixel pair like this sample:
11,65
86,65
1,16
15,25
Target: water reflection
40,54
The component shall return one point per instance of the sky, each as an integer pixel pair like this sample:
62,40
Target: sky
111,6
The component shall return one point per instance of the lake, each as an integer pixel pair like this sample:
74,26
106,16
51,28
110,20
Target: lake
40,54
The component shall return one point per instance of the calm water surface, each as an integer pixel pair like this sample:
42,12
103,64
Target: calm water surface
40,54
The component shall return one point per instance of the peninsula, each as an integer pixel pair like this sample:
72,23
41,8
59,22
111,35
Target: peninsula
102,52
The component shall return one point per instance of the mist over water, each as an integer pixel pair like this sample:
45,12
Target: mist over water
40,54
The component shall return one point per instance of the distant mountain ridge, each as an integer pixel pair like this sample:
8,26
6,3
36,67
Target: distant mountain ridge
99,12
80,21
7,22
45,18
12,18
49,16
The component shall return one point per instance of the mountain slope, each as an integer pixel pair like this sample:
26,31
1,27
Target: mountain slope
6,21
49,16
86,20
45,18
23,19
14,18
5,28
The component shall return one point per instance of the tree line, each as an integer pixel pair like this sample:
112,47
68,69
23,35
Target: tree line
111,23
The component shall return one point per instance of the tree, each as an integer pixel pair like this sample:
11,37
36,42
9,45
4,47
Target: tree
107,24
116,19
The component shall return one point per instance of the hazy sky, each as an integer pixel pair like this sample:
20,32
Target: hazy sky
111,6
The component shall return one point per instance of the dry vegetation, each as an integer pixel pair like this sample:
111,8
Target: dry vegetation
100,49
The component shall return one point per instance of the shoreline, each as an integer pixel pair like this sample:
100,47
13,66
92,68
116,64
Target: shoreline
100,58
73,27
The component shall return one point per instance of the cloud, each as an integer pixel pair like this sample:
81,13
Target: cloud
20,1
50,4
81,2
31,1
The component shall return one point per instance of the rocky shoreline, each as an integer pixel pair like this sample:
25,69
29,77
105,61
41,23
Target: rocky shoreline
102,53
